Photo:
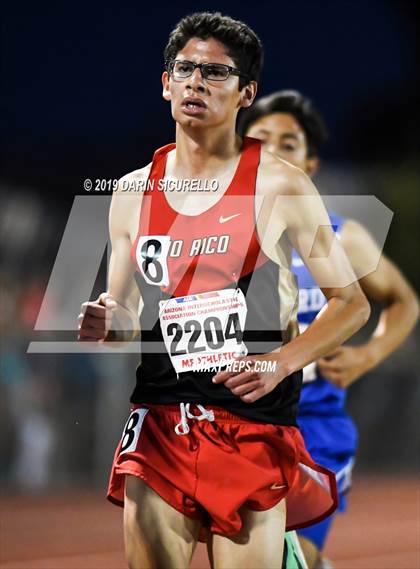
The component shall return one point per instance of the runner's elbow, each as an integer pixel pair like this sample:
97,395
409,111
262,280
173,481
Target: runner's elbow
413,302
362,309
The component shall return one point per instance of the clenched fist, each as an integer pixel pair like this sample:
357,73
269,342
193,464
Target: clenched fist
95,319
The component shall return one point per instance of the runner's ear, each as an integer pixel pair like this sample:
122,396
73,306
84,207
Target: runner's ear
166,94
312,165
248,94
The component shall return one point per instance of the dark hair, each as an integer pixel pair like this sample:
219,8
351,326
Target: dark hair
242,44
293,103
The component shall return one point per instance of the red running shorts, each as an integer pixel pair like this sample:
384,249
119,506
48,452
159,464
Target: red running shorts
208,463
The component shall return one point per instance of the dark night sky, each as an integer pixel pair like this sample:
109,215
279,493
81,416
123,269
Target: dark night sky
81,84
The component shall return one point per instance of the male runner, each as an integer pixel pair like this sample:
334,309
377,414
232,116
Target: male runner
293,129
210,454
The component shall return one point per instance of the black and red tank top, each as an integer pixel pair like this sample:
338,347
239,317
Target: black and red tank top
208,290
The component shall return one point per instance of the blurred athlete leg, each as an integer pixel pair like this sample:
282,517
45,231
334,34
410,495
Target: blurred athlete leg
257,544
312,540
310,551
156,535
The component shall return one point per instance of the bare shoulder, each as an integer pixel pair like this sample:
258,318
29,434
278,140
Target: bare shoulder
362,249
134,181
354,232
126,202
357,239
277,177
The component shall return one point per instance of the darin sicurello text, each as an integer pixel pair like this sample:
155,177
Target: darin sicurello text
170,185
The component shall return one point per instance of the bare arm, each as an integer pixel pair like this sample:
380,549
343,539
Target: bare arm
398,316
122,286
302,215
347,309
114,315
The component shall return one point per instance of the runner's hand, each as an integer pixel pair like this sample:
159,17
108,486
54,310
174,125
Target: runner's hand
344,365
95,318
247,381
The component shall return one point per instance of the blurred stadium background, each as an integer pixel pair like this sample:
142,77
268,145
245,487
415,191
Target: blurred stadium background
81,95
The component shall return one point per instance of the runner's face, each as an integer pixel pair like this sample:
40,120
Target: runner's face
217,101
283,135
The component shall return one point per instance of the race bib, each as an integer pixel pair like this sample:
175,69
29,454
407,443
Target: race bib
132,430
152,254
202,331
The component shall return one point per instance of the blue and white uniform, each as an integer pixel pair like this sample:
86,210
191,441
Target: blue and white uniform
329,432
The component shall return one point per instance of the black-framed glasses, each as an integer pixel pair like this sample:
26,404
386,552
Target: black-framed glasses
181,69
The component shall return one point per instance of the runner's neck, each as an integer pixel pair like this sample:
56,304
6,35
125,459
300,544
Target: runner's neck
205,154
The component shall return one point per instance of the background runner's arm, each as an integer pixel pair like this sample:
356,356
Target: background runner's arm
399,314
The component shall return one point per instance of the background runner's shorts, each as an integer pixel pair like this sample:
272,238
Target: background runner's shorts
218,463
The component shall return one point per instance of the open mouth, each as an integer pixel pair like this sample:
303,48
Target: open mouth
193,105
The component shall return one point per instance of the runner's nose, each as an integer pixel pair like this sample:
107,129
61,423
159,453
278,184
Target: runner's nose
195,81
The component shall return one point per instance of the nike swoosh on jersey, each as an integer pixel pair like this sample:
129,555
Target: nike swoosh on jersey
277,486
228,218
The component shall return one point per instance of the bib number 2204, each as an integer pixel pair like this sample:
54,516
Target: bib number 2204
214,335
204,329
